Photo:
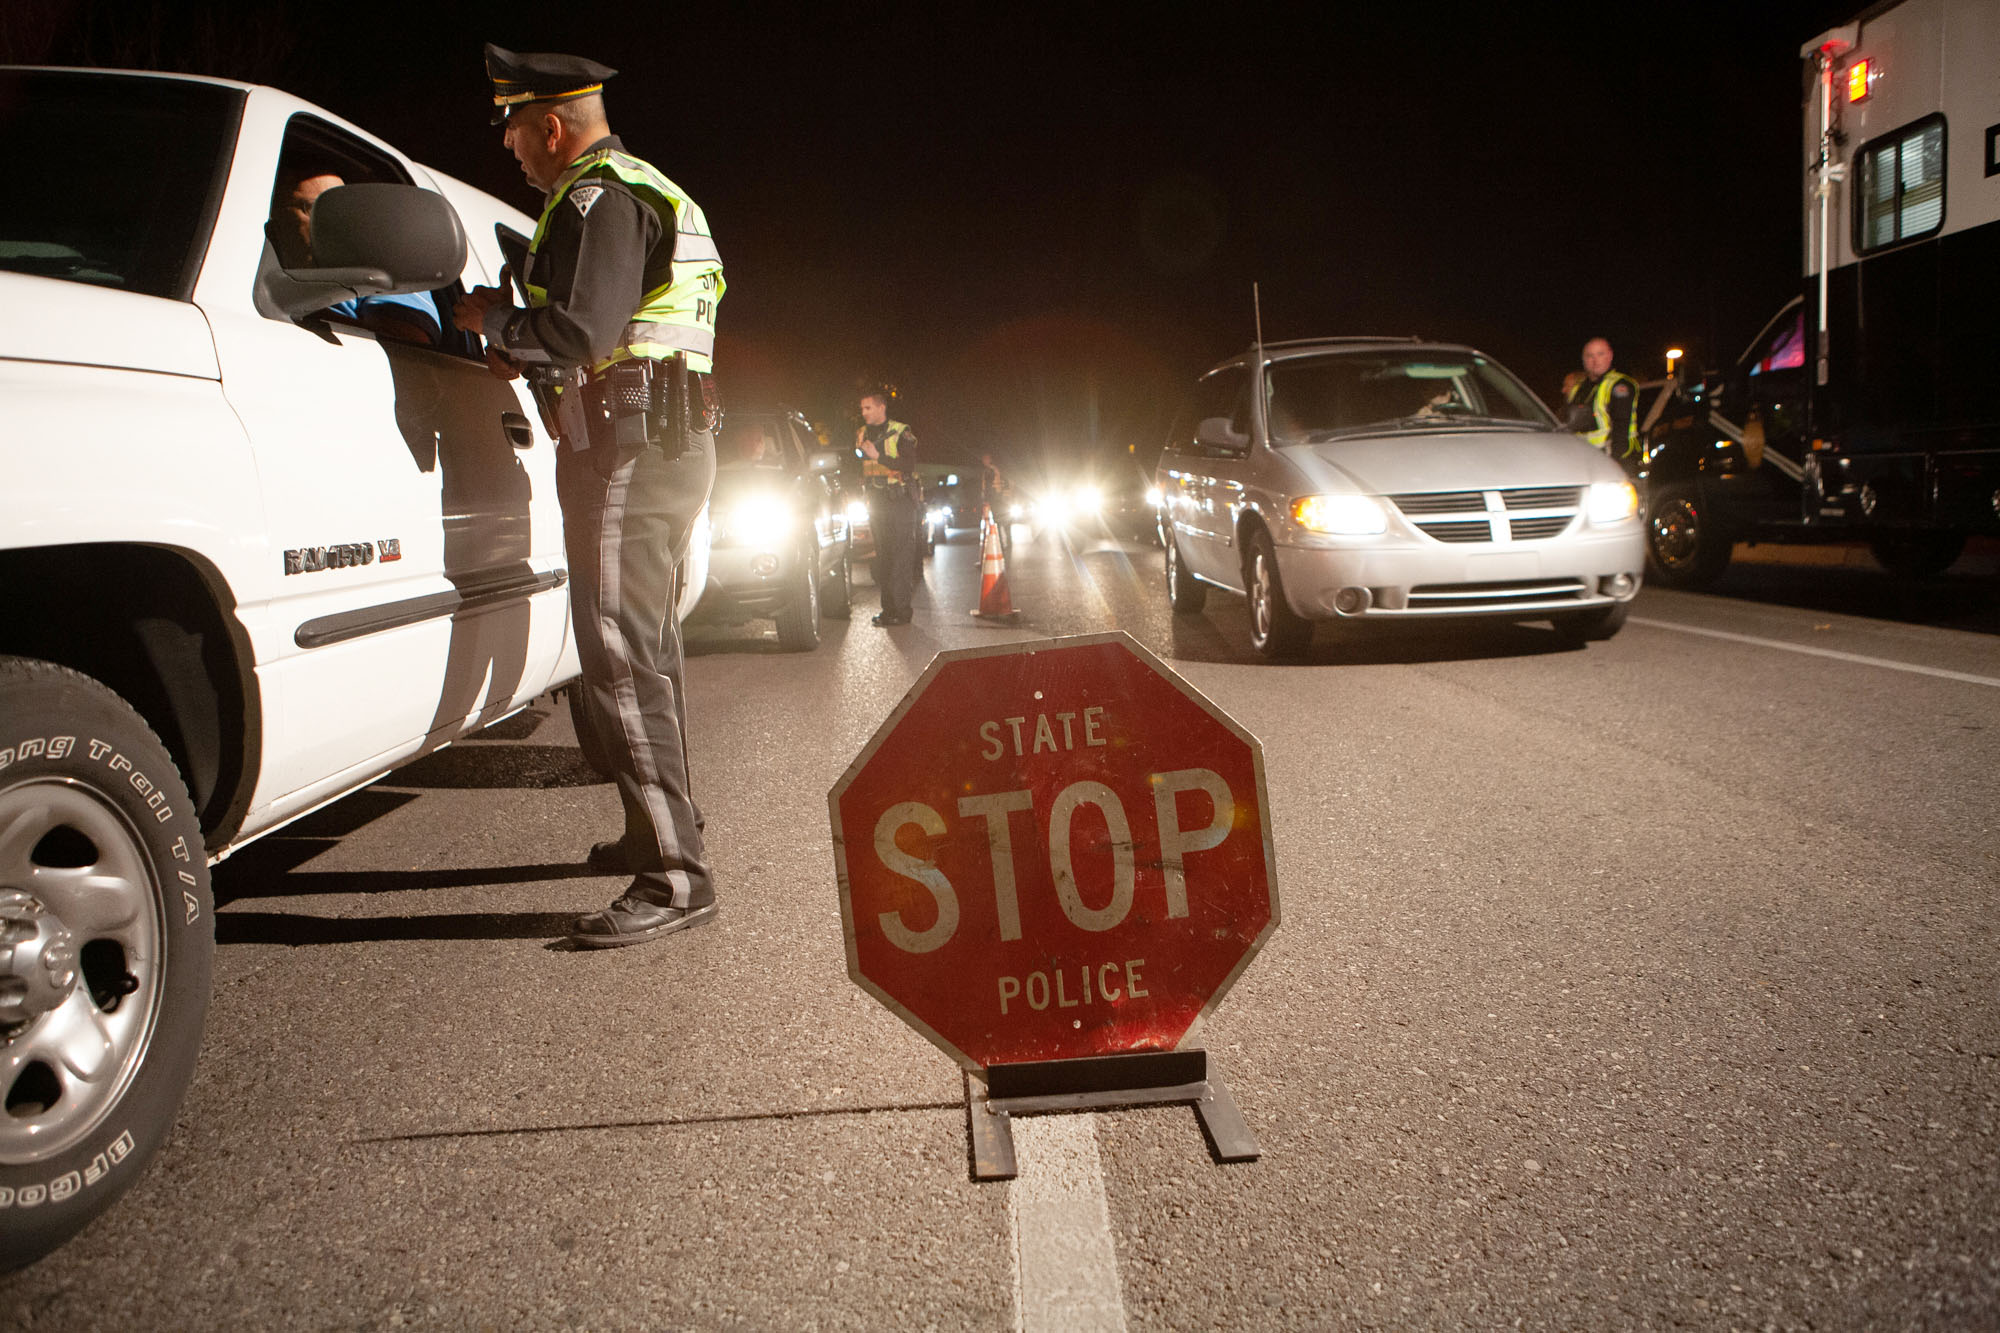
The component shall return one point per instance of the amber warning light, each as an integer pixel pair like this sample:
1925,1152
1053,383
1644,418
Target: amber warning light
1857,81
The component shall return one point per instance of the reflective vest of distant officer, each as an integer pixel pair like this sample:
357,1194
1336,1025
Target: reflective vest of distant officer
1602,406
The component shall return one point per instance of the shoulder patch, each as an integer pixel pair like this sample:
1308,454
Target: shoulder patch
583,196
1621,391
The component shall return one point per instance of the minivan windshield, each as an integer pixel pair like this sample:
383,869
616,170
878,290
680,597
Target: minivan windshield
153,151
1312,399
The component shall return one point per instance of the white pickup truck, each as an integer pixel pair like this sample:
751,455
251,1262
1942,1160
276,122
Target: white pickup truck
252,557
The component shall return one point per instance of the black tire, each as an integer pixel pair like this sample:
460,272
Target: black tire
1276,631
1917,555
85,787
1593,626
798,623
1686,545
587,739
1185,593
836,595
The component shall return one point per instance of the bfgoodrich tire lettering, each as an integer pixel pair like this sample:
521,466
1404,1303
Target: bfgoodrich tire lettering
106,944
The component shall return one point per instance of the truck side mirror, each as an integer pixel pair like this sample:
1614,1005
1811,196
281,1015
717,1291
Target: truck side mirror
1216,433
372,240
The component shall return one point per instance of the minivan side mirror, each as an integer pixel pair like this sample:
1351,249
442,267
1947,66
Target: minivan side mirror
823,462
373,240
1215,433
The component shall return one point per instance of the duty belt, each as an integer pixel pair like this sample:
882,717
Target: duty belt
638,403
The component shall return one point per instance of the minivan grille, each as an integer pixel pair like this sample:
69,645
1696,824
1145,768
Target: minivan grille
1480,531
1543,497
1527,529
1449,516
1440,502
1492,596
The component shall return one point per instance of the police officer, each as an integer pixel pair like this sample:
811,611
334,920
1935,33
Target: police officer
888,451
618,336
1602,406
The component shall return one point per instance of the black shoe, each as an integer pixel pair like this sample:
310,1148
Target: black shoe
633,920
885,618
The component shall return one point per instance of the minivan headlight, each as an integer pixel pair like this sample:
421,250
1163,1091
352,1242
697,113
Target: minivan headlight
1342,515
1611,501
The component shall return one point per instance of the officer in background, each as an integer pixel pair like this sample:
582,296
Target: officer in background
617,339
1602,405
888,451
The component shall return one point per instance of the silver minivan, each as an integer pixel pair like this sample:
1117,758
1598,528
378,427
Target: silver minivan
1351,479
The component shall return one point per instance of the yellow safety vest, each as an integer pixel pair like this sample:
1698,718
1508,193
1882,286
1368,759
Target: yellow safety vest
676,317
1600,411
891,437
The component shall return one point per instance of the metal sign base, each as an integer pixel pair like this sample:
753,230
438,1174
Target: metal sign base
1141,1078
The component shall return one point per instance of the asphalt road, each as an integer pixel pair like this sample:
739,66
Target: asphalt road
1647,985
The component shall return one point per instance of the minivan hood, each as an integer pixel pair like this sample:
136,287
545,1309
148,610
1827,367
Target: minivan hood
74,323
1477,460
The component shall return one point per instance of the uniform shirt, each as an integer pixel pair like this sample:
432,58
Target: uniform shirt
1619,407
905,461
592,261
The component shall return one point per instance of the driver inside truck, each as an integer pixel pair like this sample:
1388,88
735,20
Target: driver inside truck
410,317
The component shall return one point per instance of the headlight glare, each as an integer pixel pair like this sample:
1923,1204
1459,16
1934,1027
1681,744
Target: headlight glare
857,511
1341,515
763,520
1611,501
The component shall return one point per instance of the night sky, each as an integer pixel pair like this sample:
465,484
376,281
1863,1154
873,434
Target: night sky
1040,222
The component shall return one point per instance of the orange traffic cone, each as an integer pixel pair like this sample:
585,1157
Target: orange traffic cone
994,603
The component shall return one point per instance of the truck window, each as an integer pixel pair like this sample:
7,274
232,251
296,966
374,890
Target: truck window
166,143
316,157
1899,186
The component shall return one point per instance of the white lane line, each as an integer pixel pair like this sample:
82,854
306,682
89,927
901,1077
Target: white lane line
1065,1265
1838,656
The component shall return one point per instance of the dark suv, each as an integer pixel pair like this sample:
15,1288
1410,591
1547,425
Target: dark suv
779,546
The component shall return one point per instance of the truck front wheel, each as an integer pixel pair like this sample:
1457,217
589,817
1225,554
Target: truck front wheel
1917,555
1686,546
106,943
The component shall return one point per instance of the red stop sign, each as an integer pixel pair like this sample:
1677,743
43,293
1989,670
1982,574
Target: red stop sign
1053,849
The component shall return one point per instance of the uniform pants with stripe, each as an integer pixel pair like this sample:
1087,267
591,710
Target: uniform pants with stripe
892,517
627,518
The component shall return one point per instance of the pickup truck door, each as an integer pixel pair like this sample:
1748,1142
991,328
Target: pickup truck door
414,584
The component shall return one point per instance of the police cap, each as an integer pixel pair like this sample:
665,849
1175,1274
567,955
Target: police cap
537,76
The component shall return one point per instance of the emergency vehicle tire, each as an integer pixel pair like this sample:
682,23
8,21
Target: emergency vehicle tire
1276,631
1593,626
1917,555
836,595
1686,547
107,937
798,623
1185,593
587,740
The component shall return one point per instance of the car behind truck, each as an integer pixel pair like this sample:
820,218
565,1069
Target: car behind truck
252,557
1864,409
